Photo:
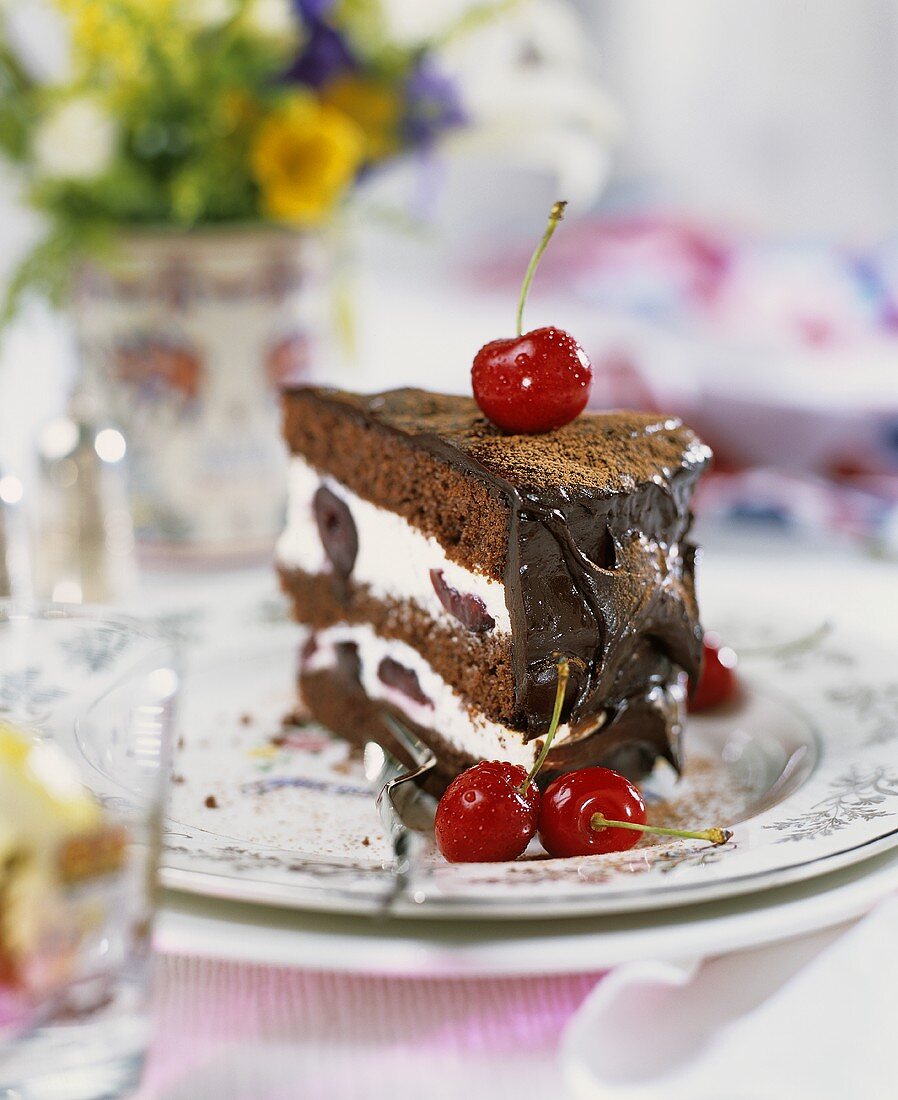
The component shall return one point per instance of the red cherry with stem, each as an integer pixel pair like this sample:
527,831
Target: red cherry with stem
569,803
489,813
536,381
483,817
717,680
595,810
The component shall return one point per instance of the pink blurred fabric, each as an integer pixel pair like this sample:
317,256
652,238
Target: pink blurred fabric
780,353
231,1031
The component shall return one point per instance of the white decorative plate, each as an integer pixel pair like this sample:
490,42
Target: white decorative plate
805,767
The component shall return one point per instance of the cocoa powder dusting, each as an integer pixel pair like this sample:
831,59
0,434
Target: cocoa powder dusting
700,807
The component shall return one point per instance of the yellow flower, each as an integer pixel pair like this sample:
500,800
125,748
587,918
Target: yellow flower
373,106
113,37
101,37
304,157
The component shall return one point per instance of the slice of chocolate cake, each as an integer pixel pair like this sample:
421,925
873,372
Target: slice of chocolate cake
442,566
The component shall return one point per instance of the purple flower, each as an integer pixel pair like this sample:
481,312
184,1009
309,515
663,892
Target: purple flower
325,54
432,105
312,9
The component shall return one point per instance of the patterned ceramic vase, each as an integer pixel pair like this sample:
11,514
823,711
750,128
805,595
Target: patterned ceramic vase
186,339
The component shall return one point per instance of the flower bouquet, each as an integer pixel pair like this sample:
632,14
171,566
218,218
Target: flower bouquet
188,113
186,156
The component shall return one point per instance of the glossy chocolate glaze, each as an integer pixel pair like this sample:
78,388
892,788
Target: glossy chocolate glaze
614,622
598,565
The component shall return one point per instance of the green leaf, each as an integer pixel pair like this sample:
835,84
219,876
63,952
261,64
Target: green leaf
49,268
16,111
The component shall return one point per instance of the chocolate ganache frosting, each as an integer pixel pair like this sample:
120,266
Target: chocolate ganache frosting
587,526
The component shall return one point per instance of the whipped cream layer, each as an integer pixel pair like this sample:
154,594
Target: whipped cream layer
394,558
465,729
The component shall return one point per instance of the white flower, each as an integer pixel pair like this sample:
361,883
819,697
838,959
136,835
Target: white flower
208,14
416,22
265,18
38,36
527,85
272,18
75,141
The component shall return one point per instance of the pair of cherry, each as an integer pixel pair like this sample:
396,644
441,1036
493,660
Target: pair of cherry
491,812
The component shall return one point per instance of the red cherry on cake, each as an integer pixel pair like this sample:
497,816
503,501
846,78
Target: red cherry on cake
717,680
532,383
536,381
485,815
595,810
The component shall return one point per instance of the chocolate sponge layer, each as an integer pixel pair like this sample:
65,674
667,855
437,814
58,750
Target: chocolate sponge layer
477,666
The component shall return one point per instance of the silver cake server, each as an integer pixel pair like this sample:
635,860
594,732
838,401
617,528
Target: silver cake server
394,783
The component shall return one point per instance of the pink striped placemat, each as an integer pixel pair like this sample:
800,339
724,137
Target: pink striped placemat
232,1031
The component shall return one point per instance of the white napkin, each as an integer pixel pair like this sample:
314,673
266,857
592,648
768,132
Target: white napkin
809,1019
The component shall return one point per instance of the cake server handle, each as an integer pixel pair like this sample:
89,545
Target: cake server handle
393,780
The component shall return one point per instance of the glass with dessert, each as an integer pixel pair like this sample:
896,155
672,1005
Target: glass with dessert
86,708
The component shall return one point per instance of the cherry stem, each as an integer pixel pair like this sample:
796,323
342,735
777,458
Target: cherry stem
555,216
564,671
715,836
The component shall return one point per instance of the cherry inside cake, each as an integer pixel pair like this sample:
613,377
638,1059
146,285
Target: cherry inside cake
440,566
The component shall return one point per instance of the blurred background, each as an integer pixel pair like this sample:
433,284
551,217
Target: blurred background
203,200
